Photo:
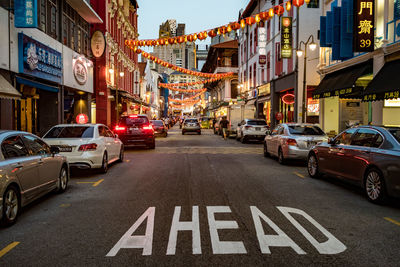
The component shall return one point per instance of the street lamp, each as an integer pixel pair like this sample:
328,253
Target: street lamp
312,45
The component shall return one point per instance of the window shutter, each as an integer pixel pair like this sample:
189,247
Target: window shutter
346,39
336,34
329,28
322,37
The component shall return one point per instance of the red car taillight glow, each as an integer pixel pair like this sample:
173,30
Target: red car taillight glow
120,128
88,147
148,127
291,142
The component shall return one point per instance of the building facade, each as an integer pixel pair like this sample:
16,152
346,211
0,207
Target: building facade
46,60
272,82
366,88
117,75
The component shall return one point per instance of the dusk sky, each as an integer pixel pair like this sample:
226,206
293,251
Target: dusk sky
197,15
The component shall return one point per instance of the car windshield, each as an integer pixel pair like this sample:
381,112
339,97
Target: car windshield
256,122
129,121
191,120
70,132
395,132
157,123
305,130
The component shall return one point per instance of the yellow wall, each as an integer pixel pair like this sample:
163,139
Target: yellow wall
331,114
391,116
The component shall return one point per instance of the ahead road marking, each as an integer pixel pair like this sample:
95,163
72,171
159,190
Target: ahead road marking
392,221
331,245
8,248
94,183
298,174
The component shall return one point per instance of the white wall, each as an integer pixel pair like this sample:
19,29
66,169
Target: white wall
4,40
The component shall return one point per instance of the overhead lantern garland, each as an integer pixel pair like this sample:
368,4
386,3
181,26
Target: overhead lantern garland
183,90
222,30
166,85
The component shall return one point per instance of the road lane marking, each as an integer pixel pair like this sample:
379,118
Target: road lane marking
392,221
94,183
65,205
98,182
298,174
8,248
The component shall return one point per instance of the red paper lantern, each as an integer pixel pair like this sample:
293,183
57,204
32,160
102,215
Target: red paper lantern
298,3
181,39
279,10
264,15
250,20
212,34
194,36
138,51
162,42
171,40
190,38
82,118
288,5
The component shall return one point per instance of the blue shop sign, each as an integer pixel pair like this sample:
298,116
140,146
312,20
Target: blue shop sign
39,60
25,14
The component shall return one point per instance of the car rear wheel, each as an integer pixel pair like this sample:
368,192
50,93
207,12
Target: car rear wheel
281,158
11,206
375,186
62,181
104,164
121,154
312,166
266,154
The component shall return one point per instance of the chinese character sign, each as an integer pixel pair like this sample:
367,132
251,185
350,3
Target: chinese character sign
363,27
25,14
286,37
262,41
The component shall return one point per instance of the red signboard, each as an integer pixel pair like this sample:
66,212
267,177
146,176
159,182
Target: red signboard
82,118
262,59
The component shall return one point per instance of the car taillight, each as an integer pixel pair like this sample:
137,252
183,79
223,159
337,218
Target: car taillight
291,142
120,128
88,147
147,127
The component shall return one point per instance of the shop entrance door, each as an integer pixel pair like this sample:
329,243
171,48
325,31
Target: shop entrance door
26,115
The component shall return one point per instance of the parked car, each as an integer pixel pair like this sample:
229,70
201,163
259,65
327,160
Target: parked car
160,129
86,146
251,129
293,141
367,155
136,130
191,125
29,169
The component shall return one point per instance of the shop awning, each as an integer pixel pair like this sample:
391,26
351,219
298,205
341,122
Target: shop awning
342,83
264,99
385,84
38,85
7,90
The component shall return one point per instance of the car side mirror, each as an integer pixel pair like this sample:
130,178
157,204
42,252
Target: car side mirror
54,150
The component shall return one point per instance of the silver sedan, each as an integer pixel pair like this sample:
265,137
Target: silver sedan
29,168
293,141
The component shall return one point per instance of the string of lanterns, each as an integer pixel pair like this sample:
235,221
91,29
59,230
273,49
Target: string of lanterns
189,99
222,30
167,85
183,90
182,105
166,64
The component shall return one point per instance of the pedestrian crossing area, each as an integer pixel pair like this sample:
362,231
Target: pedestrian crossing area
207,150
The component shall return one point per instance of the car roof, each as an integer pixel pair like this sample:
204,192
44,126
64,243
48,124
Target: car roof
76,124
13,131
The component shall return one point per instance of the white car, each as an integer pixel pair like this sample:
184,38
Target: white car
86,146
251,129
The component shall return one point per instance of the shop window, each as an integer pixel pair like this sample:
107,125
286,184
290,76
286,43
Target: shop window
268,66
255,75
396,10
262,75
255,40
278,59
234,89
269,29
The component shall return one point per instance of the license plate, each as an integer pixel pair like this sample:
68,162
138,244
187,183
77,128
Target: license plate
65,149
258,129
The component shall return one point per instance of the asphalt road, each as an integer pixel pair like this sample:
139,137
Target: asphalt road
239,207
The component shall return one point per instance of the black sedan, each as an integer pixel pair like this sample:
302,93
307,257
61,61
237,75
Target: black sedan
160,129
367,155
135,130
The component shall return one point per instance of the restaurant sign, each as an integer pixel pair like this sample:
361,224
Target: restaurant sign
25,13
286,37
38,60
363,27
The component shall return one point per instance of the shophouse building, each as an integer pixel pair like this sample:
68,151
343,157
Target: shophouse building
359,87
46,73
272,82
117,75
